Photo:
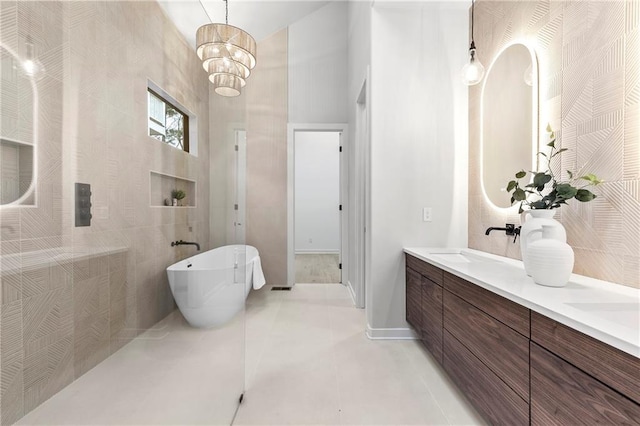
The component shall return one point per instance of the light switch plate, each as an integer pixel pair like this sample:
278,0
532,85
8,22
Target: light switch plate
426,214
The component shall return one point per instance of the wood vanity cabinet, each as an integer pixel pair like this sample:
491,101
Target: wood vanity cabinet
562,394
424,303
574,376
487,350
516,366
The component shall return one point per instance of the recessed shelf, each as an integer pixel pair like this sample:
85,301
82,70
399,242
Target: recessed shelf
161,185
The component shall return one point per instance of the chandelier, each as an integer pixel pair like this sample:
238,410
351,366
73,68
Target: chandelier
228,55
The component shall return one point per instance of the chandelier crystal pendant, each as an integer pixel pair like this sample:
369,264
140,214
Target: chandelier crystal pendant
473,71
228,55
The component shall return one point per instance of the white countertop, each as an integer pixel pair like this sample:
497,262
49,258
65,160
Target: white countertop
603,310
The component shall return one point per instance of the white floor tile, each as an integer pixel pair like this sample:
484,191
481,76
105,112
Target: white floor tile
305,361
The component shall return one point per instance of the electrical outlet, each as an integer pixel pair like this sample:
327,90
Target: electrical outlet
426,214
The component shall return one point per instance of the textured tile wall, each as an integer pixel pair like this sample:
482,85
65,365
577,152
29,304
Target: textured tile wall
590,92
59,321
267,110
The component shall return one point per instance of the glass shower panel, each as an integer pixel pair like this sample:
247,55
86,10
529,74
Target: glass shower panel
88,317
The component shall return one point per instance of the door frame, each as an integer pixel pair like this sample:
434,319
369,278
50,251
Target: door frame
292,128
240,199
362,195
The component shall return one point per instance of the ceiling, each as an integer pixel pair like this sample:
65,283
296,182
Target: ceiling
258,18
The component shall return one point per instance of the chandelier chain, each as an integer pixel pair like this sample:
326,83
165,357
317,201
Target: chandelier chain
226,12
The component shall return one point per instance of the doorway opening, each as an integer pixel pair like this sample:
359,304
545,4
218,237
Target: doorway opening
317,207
315,253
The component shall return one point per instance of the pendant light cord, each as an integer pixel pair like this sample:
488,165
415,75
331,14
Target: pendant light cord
473,10
205,11
226,12
473,7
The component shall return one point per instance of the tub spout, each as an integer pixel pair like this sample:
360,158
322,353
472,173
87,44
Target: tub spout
510,229
185,243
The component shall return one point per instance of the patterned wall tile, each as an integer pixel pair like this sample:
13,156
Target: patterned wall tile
589,65
631,166
91,324
10,273
630,195
47,318
46,220
9,224
47,371
11,363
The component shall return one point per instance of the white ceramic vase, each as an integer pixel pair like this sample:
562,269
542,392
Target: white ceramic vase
532,220
550,260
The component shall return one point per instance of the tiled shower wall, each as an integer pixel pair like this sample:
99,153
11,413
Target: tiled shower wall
61,318
590,93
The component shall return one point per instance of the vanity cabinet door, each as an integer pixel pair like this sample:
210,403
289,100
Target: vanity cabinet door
615,368
425,269
432,317
509,313
492,397
502,349
414,300
562,394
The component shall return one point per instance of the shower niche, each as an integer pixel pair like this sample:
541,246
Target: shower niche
162,187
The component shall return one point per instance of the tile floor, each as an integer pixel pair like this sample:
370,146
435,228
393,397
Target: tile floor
317,268
308,362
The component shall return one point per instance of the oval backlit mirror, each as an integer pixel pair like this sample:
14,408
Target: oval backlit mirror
509,119
17,130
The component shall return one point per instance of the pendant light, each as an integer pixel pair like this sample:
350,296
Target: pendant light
228,55
31,66
473,71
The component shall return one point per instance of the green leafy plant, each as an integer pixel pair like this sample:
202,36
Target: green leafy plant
178,194
547,192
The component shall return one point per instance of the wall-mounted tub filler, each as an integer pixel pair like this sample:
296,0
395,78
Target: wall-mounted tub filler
185,243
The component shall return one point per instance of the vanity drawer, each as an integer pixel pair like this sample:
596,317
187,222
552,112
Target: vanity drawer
432,317
611,366
493,399
509,313
502,349
428,270
562,394
414,300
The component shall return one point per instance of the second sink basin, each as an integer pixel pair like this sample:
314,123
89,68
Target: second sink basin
462,257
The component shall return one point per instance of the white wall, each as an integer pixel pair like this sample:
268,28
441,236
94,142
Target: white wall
318,66
317,192
359,60
419,145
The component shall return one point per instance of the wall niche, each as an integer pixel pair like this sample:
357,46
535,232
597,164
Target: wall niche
162,185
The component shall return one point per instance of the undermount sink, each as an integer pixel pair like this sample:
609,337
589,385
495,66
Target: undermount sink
462,257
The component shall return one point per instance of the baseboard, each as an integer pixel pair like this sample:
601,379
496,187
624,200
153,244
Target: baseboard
316,251
390,333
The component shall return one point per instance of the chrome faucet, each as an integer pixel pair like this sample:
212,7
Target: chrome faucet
509,229
185,243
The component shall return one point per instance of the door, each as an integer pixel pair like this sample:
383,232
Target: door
317,211
241,185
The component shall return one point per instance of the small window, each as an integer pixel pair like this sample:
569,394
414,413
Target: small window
168,123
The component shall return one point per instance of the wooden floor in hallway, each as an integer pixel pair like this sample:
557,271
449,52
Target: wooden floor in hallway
318,268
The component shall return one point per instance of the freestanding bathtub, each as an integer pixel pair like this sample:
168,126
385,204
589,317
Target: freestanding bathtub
210,288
